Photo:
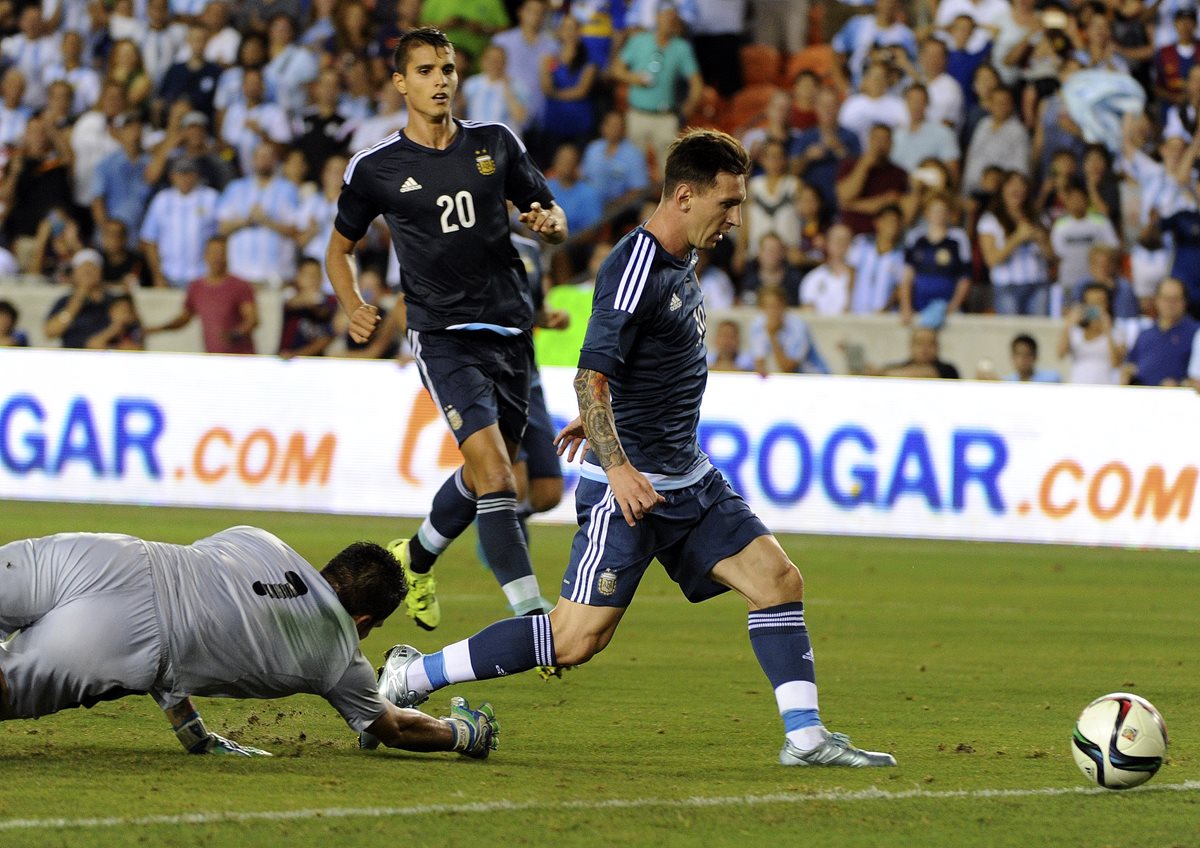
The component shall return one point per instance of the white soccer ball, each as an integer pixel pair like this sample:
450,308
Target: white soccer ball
1120,741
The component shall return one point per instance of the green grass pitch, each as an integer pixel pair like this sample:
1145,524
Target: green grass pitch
968,661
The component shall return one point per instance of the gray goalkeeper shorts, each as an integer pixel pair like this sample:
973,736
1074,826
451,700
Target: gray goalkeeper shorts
81,621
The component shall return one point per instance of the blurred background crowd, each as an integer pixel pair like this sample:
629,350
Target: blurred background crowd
918,160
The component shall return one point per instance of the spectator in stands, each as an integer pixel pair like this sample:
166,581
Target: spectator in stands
52,248
180,221
715,283
803,113
568,79
920,139
492,96
816,153
780,341
1016,249
924,358
307,314
969,49
1184,228
1162,351
727,353
578,199
37,180
1075,234
78,316
124,67
161,41
613,165
1001,139
526,47
782,24
770,269
1103,263
252,53
883,27
1103,188
937,263
1064,169
1018,29
224,39
84,81
314,218
187,137
1173,62
122,265
872,106
1089,340
1024,349
868,183
390,116
322,128
718,33
985,81
122,180
32,50
290,66
655,65
10,335
124,329
357,100
194,79
225,305
878,263
813,224
828,289
770,205
253,122
14,114
775,125
946,98
1099,51
387,342
256,213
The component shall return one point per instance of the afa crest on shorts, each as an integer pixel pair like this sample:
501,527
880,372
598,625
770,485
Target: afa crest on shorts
606,583
485,163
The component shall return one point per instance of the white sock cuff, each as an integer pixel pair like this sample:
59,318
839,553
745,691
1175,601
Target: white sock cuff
457,662
796,695
521,590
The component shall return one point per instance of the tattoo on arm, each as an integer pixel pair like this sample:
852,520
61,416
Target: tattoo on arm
595,411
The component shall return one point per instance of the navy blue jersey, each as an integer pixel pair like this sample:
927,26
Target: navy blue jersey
937,267
646,334
449,223
1185,228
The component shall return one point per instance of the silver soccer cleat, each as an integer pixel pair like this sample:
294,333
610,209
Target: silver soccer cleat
393,685
835,750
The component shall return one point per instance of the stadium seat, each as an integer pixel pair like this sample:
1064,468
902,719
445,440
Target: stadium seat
746,106
819,59
760,64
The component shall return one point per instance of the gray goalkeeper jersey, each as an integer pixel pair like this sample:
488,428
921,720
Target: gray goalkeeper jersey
245,616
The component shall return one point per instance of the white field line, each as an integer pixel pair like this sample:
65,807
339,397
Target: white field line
832,795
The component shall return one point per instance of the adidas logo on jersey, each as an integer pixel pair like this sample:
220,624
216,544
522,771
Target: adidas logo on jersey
675,302
409,185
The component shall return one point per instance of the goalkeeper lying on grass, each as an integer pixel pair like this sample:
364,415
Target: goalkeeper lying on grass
90,617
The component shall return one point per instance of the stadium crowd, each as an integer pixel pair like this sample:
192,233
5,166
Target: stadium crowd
920,158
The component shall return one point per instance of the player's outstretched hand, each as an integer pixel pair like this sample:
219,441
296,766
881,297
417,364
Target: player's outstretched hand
550,224
571,440
363,322
632,492
216,744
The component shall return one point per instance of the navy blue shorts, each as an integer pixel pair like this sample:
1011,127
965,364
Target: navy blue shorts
537,445
477,378
691,532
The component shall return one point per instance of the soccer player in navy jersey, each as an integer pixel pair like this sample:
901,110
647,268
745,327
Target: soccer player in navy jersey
441,186
647,490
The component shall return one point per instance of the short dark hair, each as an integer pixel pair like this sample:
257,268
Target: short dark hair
1108,295
698,155
1025,339
367,579
8,309
427,35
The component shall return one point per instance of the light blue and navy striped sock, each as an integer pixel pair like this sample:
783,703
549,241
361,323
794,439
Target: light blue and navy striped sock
506,647
504,547
780,641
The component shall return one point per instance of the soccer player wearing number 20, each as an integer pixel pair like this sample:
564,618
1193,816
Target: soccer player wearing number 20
441,186
647,490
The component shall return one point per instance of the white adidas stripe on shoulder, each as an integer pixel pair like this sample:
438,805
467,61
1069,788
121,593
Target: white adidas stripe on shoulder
507,128
379,145
633,280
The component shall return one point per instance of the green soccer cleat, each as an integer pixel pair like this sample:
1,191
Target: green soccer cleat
834,750
421,602
476,732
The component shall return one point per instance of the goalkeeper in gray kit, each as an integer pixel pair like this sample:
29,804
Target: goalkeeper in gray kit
90,617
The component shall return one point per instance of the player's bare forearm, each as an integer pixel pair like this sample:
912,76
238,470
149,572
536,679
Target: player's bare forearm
595,411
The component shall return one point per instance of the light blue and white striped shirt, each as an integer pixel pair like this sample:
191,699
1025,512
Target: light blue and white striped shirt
1026,265
180,225
1159,191
12,124
85,85
258,254
876,274
33,56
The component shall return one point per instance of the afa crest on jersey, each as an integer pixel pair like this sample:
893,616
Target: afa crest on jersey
485,163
